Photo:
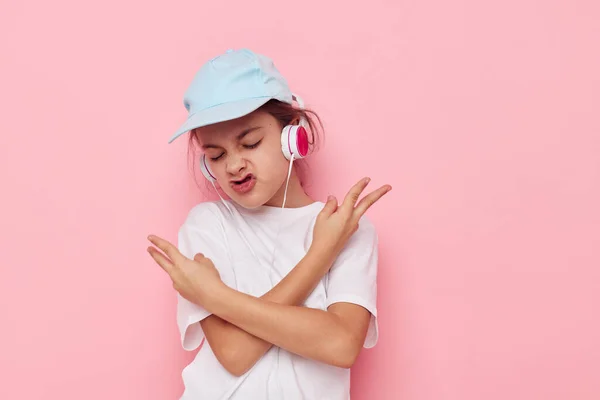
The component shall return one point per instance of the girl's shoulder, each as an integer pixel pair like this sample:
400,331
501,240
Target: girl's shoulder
206,213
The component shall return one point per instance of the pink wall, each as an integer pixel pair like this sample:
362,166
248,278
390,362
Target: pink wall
482,115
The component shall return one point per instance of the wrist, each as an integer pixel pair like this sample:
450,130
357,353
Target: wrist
322,252
214,296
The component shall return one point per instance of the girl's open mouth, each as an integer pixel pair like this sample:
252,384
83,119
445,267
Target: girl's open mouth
244,185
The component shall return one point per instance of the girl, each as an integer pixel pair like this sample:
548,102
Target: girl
278,290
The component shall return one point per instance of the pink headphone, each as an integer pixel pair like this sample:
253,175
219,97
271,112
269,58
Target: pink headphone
294,142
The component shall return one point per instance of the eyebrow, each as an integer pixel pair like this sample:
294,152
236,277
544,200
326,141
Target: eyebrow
240,136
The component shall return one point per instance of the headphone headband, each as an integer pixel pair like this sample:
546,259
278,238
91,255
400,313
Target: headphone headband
300,102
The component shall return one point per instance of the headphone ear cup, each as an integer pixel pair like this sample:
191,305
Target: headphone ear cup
206,169
294,140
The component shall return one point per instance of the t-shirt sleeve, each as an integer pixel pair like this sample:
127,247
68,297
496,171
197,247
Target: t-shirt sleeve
201,232
353,276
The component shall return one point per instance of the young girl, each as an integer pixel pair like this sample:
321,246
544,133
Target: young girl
278,290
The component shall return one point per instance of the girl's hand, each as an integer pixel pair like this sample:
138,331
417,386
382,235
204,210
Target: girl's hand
335,225
194,279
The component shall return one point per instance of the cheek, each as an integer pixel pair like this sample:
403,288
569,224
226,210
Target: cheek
272,171
271,162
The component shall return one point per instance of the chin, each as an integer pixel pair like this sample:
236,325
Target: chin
249,200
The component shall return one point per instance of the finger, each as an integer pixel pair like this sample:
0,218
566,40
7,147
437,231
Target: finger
169,249
199,257
330,206
160,259
353,194
370,199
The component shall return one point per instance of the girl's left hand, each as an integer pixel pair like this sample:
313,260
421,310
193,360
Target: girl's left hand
194,279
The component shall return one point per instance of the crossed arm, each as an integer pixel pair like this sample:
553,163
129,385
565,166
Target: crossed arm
242,328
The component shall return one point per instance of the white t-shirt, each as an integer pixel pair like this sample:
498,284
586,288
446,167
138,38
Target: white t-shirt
244,263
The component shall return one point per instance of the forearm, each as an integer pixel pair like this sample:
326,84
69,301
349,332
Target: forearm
299,283
290,327
239,350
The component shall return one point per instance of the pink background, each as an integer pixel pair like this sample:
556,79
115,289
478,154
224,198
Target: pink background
482,115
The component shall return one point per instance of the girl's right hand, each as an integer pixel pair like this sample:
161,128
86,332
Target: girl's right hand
336,224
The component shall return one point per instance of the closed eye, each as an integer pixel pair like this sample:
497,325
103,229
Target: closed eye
252,146
247,146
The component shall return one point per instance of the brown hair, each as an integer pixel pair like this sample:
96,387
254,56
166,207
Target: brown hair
285,113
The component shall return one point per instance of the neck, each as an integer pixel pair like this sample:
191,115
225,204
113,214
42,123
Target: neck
296,196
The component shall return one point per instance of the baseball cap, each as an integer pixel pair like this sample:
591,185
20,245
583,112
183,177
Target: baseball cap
230,86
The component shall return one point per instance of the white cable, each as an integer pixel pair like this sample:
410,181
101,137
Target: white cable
288,180
233,217
282,206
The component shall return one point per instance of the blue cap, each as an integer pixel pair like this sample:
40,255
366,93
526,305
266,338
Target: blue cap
230,86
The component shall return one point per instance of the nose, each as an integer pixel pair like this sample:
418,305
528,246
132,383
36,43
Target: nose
235,164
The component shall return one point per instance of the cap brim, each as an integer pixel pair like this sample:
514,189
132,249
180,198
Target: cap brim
220,113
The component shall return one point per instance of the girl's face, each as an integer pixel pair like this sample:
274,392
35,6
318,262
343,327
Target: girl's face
245,156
